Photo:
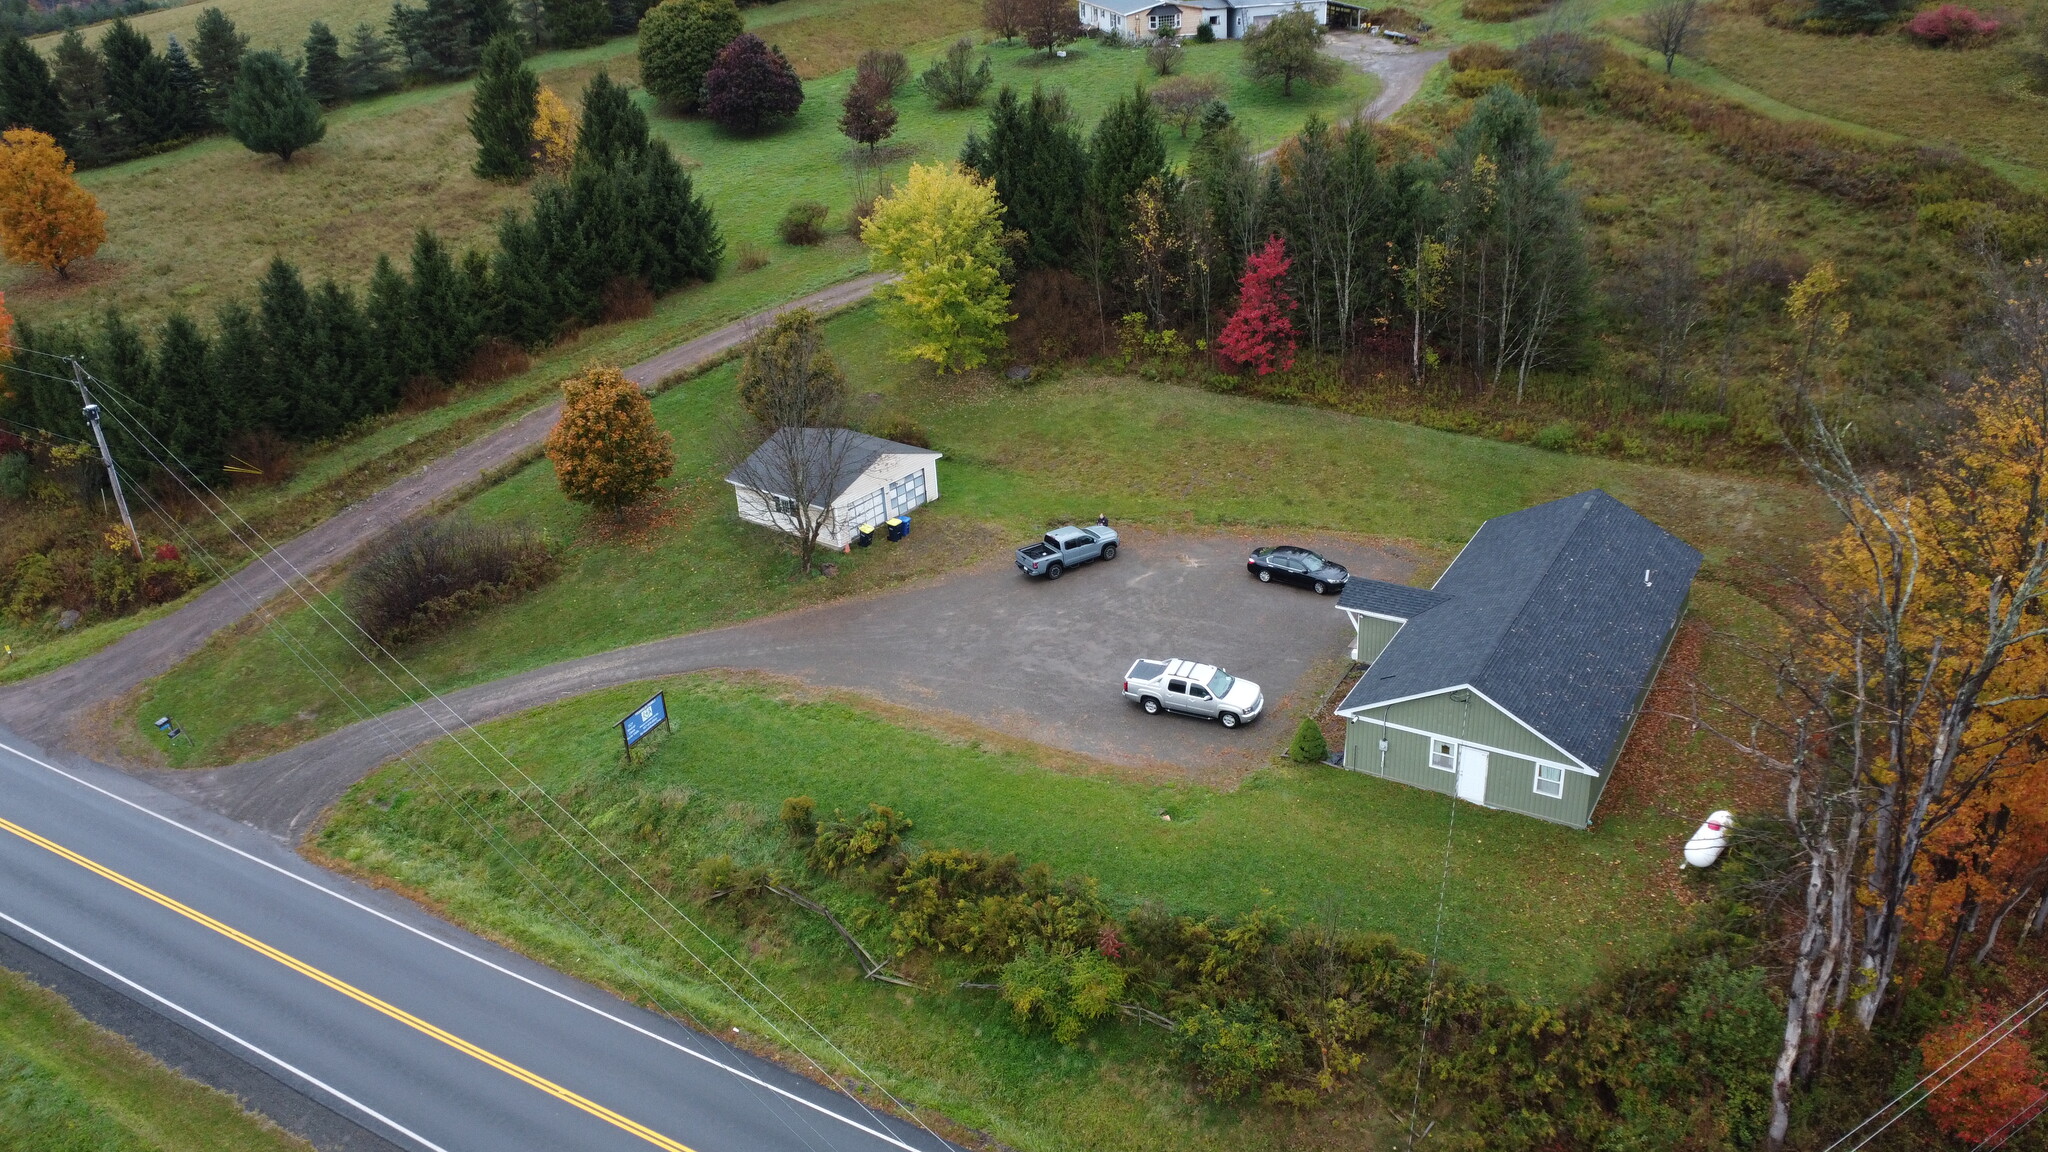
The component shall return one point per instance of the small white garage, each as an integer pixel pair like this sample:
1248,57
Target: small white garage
834,478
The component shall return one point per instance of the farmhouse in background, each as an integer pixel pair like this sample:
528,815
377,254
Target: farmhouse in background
1514,681
871,479
1228,19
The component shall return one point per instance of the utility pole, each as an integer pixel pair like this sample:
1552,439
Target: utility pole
92,417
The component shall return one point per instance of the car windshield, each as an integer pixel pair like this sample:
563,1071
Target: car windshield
1310,561
1220,684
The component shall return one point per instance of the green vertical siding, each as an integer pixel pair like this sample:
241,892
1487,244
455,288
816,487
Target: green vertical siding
1511,784
1406,758
1373,636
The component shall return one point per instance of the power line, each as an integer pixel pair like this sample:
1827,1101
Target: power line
265,556
2028,1113
2032,1007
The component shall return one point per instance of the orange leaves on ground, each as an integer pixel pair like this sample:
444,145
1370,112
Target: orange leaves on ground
45,217
1987,1086
606,449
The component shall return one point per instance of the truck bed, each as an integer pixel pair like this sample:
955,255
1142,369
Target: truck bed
1037,551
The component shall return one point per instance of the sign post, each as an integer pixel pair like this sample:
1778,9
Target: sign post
650,715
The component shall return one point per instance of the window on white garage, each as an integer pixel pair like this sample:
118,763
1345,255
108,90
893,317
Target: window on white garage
1443,755
906,493
1549,780
784,506
867,509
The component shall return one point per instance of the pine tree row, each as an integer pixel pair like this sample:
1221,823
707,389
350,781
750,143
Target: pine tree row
122,98
308,362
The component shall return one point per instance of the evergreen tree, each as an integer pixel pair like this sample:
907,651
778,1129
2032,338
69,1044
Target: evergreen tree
188,95
502,110
601,247
185,390
388,312
80,76
366,68
326,76
1230,196
1340,218
285,312
444,321
626,15
217,51
577,23
241,377
270,110
679,42
680,241
121,358
613,128
440,38
1126,150
344,367
530,308
751,87
51,403
28,94
138,84
1033,153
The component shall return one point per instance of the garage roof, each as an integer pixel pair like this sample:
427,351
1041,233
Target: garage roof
848,452
1558,614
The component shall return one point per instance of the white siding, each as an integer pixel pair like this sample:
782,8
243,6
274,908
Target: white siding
892,469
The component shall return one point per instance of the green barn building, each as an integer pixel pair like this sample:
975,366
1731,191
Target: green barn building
1513,682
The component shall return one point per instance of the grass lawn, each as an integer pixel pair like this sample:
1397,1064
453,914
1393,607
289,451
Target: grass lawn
279,24
1535,906
67,1085
191,228
1263,464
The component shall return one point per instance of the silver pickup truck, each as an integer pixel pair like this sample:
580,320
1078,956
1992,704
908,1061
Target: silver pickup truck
1063,548
1196,689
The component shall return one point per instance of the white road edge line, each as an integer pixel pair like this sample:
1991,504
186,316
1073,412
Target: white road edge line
463,952
181,1010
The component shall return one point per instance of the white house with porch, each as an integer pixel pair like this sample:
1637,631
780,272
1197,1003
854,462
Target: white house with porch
1227,19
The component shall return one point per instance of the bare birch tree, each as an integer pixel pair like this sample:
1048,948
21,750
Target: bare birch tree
791,455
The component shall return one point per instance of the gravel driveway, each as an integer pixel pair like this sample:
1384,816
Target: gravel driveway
1036,659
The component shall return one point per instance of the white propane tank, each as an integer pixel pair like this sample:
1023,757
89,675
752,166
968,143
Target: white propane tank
1709,840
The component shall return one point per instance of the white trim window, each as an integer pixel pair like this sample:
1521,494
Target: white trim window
1166,21
1549,780
784,506
1443,756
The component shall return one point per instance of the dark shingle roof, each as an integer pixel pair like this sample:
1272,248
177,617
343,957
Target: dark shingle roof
766,468
1546,612
1397,600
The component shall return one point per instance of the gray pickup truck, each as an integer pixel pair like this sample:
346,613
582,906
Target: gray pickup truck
1193,689
1063,548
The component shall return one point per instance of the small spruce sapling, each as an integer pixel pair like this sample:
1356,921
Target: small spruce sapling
1309,747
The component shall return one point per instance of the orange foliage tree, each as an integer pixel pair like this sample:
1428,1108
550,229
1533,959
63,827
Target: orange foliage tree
45,217
1987,1087
606,449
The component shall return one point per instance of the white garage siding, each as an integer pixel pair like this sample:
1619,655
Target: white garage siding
892,486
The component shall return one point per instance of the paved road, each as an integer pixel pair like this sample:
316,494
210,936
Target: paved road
45,707
404,1028
1033,658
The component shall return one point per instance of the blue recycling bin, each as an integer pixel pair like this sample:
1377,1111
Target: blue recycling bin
899,527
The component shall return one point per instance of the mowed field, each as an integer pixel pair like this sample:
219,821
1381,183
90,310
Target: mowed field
67,1085
277,24
192,228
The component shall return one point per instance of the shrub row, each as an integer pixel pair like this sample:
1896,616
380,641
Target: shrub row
1263,1007
1825,159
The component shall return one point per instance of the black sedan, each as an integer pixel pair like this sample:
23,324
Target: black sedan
1291,565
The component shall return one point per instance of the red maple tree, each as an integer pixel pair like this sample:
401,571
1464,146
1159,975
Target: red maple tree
1259,335
1985,1086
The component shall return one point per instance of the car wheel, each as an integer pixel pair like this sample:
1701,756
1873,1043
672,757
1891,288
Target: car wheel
1265,577
1321,588
1109,551
1151,706
1229,719
1056,571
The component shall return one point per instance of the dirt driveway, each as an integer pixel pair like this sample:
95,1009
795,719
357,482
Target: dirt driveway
1036,659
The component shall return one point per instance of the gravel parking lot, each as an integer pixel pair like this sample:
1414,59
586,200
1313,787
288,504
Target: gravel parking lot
1038,659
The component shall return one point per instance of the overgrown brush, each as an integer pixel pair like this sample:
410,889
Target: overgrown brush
422,575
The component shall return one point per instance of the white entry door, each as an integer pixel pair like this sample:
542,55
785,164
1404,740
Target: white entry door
1472,774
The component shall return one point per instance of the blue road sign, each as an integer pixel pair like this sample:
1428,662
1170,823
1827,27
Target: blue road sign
651,714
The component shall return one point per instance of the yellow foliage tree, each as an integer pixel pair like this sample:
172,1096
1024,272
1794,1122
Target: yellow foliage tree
943,232
45,217
606,449
554,133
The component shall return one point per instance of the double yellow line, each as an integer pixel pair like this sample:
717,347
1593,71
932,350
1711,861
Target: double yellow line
532,1079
